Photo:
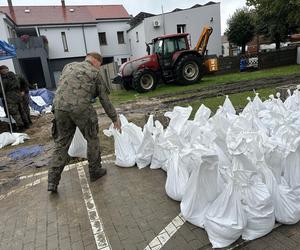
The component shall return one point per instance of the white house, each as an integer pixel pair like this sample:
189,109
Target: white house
51,36
190,20
7,30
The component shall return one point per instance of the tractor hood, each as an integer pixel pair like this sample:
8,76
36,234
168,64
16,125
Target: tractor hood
128,68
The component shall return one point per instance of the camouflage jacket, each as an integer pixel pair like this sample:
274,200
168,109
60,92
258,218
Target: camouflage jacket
11,87
79,83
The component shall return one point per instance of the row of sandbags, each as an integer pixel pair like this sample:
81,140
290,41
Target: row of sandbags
233,174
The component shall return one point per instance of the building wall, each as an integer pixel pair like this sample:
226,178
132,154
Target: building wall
113,48
137,47
80,40
5,34
194,19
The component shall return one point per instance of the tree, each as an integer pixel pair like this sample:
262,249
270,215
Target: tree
276,19
241,28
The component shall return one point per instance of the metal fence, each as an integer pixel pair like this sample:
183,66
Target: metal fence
264,60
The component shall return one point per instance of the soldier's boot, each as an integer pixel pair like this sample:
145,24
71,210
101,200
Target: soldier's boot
52,187
95,175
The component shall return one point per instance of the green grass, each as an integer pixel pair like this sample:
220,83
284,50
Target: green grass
238,100
120,96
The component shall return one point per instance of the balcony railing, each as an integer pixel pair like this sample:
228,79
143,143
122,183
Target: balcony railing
32,43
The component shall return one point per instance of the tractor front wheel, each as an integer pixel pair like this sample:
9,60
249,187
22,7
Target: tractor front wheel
144,80
189,69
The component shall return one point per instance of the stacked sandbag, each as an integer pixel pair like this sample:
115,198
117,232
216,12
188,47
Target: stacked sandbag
234,174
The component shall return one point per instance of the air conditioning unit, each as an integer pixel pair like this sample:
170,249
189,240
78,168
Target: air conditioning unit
156,23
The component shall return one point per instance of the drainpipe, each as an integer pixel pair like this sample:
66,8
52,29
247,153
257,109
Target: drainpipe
84,38
163,16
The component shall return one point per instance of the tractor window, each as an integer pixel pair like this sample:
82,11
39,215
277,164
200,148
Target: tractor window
158,45
182,44
170,46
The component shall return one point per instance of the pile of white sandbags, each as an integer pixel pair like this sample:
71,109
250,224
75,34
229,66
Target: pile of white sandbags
234,174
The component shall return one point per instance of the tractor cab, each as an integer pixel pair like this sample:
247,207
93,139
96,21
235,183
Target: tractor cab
165,47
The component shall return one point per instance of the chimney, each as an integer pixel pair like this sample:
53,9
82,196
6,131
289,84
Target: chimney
9,3
11,10
63,4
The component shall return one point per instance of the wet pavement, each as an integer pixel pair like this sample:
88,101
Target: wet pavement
126,209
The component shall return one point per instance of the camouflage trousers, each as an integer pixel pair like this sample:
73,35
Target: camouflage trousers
63,130
25,111
15,111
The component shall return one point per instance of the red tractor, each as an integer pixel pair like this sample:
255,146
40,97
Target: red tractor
171,60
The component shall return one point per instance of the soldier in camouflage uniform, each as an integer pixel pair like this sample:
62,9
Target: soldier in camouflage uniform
12,92
79,83
24,104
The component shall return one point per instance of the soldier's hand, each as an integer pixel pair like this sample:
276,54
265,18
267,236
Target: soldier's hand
117,125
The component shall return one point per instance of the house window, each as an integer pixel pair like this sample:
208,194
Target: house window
102,38
64,41
120,37
181,28
137,36
123,60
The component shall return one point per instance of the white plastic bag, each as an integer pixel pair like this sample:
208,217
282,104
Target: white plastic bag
228,107
177,175
14,139
257,204
160,150
78,147
124,149
286,202
202,115
201,190
146,149
225,218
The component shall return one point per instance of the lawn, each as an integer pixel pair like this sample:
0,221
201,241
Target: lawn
121,96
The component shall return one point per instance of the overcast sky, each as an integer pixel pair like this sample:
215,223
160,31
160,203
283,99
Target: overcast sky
153,6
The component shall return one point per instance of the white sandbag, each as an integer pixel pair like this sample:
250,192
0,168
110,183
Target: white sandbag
228,107
13,139
292,169
201,190
124,150
6,138
257,204
225,218
202,115
177,175
146,149
258,105
178,118
78,147
161,148
286,201
134,133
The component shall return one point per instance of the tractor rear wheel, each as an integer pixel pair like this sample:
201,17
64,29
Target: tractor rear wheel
189,69
144,80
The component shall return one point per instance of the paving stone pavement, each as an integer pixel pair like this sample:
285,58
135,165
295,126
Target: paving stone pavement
131,203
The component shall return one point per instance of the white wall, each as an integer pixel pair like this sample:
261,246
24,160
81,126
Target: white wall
194,19
75,41
137,48
113,48
226,49
4,35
